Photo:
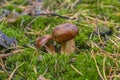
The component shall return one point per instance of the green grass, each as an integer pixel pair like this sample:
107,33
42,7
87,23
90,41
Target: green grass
91,58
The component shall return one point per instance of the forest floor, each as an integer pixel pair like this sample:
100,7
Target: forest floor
97,53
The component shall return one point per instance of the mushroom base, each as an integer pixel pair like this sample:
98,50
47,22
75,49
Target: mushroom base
68,47
50,48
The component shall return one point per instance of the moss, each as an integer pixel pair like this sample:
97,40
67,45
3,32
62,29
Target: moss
62,67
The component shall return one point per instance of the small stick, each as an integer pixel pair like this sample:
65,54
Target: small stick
10,54
105,53
114,76
114,43
10,77
76,69
104,75
55,14
97,66
2,65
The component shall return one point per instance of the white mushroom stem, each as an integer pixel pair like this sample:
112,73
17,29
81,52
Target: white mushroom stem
68,47
50,48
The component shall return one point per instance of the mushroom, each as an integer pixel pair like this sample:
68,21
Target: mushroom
44,41
64,35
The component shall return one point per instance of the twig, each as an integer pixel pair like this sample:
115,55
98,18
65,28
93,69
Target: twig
110,74
10,77
20,73
96,64
116,37
45,71
31,22
105,53
2,65
114,76
97,67
114,43
104,75
98,33
55,14
10,54
35,70
76,69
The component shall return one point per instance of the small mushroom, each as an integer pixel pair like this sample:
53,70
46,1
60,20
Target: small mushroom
44,41
64,35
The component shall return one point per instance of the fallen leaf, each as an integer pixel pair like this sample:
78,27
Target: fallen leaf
34,8
12,17
7,42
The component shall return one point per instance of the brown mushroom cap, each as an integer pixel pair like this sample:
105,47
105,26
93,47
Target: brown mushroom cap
64,32
41,41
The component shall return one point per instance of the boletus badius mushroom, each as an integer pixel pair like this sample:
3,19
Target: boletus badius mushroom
64,34
44,41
